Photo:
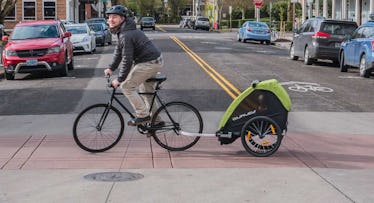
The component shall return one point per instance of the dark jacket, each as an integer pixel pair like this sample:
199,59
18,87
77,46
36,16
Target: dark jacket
133,47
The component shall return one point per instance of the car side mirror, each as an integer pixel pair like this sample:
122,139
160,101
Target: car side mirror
4,38
67,34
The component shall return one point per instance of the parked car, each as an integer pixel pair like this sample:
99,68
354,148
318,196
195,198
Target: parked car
147,22
82,37
102,33
320,38
36,46
96,20
67,22
201,23
357,50
254,30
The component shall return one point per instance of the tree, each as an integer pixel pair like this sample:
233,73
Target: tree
6,7
243,5
176,6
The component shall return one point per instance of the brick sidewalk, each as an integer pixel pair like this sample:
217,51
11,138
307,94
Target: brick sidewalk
137,151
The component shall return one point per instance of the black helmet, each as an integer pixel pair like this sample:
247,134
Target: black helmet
117,9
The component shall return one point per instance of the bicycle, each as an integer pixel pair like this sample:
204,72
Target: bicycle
100,127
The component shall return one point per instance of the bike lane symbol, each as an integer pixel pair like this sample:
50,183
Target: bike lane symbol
306,86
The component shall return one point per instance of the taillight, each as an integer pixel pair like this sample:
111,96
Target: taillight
372,45
248,29
321,35
268,31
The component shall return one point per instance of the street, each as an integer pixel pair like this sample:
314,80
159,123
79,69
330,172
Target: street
327,155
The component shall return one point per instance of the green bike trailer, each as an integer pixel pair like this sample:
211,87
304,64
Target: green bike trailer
259,116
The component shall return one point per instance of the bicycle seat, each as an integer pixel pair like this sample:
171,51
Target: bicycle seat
158,78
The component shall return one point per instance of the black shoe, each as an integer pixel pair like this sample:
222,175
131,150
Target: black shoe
138,121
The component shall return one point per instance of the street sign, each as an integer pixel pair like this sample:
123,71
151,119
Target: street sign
257,3
230,10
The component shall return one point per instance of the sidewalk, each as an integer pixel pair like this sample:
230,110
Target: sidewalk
313,164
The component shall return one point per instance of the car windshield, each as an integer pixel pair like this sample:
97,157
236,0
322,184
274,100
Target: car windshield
337,28
257,24
35,31
203,19
96,20
77,29
96,27
147,19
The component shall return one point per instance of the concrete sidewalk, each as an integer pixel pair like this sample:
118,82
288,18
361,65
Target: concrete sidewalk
313,164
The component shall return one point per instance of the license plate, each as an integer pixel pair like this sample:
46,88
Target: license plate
32,62
337,45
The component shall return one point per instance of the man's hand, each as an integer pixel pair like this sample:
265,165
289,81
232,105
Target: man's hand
108,72
115,83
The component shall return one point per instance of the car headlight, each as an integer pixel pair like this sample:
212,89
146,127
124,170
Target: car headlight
53,50
10,53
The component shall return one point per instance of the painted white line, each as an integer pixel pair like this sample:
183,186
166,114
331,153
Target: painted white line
350,77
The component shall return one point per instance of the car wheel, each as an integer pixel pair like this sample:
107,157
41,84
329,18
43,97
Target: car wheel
343,67
307,59
141,28
154,28
64,68
244,40
9,76
363,67
267,42
292,53
238,37
71,64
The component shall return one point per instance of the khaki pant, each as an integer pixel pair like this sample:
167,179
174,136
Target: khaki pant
136,79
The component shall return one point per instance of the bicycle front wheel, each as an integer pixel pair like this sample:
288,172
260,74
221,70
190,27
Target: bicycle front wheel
176,117
98,128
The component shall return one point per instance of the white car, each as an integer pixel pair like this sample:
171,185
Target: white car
82,37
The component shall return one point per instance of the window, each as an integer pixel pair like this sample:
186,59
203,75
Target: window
29,10
358,33
11,15
49,11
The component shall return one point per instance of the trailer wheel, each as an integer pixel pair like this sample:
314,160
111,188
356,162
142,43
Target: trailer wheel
261,136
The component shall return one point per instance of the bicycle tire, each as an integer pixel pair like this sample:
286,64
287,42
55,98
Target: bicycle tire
101,139
186,117
261,136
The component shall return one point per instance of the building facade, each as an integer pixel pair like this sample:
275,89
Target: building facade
70,10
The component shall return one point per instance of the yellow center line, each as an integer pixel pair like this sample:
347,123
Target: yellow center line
224,83
160,28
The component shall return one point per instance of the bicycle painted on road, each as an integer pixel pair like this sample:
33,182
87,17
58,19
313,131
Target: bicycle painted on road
306,86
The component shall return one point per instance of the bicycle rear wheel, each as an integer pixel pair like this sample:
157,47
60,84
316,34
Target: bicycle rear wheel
98,128
261,136
177,116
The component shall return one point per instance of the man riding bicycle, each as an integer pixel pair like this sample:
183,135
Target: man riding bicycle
140,59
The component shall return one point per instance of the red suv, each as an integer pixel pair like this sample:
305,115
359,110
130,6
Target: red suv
38,46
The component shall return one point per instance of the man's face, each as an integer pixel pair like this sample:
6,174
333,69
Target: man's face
115,20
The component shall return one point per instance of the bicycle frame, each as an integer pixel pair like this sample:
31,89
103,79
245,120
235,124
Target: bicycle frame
144,127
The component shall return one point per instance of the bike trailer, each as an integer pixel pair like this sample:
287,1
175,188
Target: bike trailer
267,100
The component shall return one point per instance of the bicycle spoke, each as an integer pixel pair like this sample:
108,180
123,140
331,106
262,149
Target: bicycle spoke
177,116
93,137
